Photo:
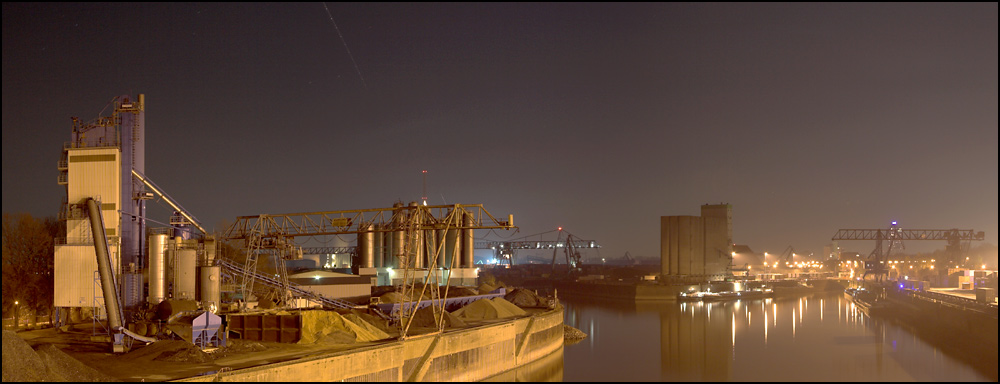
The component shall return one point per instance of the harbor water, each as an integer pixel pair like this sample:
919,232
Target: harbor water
821,337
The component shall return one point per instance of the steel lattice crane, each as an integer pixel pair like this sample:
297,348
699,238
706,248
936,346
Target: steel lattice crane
892,238
274,234
504,251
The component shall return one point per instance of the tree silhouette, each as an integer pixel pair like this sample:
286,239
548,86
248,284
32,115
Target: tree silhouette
28,255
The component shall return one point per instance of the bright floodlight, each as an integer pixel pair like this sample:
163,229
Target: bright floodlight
893,223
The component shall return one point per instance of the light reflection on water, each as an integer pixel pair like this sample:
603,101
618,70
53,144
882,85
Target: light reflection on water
758,340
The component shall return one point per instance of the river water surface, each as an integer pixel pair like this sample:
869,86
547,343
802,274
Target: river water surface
824,337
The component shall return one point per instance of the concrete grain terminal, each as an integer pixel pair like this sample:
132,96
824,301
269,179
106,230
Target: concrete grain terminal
334,346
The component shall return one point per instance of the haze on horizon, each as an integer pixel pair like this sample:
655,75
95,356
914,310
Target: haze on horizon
597,117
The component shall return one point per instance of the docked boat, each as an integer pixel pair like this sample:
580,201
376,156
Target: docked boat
866,300
725,295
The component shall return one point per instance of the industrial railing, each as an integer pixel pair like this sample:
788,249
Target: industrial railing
956,302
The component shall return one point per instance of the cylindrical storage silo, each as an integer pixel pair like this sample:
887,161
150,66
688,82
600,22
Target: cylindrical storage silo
211,286
210,249
430,240
379,254
398,236
185,264
366,246
468,242
415,248
452,248
157,268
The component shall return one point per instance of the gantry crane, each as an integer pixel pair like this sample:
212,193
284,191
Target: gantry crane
504,251
787,256
892,238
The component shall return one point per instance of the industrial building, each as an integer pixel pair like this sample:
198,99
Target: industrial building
697,247
114,268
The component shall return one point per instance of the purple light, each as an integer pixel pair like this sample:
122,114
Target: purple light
893,223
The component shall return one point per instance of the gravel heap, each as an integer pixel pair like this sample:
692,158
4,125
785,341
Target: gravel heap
378,322
572,335
425,318
319,326
526,298
237,346
240,345
459,291
487,288
48,363
20,362
67,368
189,354
484,309
167,350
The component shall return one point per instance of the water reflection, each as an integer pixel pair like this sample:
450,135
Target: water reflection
787,339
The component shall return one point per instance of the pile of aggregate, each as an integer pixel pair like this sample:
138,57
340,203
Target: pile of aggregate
48,363
237,346
167,350
180,351
66,368
319,326
379,323
488,309
20,362
189,353
526,298
460,292
485,288
572,335
425,318
240,345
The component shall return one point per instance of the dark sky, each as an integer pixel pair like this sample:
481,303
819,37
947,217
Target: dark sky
600,118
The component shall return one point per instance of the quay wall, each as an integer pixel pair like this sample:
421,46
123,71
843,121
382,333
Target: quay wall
966,332
472,354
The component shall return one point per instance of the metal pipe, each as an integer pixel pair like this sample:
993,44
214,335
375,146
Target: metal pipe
108,285
169,201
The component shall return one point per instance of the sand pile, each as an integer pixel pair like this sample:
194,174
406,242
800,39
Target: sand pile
332,327
425,318
240,345
188,353
167,350
391,298
487,309
237,346
378,322
67,368
20,362
459,291
48,363
572,335
526,298
485,288
396,297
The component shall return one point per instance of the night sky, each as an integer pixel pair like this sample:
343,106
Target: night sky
599,118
